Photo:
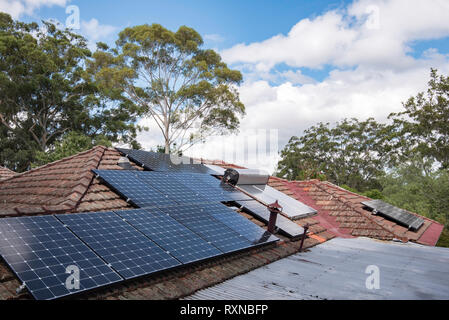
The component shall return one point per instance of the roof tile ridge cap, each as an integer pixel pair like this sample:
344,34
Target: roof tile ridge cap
7,170
360,211
53,163
85,175
278,178
334,186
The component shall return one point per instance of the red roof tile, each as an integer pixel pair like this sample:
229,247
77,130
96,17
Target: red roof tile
5,173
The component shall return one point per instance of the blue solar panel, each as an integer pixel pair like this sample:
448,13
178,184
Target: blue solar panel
210,187
170,235
209,228
168,185
238,223
127,250
164,162
129,186
40,249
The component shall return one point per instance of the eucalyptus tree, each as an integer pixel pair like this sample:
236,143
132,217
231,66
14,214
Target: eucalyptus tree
188,91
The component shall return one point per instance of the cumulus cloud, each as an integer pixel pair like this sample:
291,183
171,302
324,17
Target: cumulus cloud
17,8
95,31
367,32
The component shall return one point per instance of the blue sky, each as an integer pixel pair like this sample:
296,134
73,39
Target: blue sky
302,61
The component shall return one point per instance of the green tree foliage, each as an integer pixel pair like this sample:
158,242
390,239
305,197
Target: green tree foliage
418,188
46,92
188,91
72,143
423,125
351,153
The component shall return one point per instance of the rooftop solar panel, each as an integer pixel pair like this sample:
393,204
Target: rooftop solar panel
293,208
285,226
40,249
239,224
208,228
210,187
399,215
170,235
127,250
164,162
168,185
130,187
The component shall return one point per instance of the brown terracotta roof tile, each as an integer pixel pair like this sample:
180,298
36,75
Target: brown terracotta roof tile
5,173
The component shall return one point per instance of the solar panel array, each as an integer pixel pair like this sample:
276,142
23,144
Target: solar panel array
39,250
210,187
168,185
129,252
156,161
210,229
169,234
133,189
150,189
285,225
399,215
109,247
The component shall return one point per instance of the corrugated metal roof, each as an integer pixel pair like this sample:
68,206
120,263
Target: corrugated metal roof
336,270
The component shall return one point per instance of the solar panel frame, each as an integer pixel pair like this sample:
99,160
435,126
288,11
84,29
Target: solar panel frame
134,190
208,228
238,223
399,215
169,234
125,249
39,250
284,225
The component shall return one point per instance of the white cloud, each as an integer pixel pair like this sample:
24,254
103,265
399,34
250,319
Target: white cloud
214,37
368,32
17,8
94,32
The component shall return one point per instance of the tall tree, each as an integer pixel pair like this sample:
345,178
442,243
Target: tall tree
352,153
188,91
423,126
46,92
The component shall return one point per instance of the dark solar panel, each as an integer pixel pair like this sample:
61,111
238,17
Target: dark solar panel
170,235
399,215
130,187
238,223
168,185
210,187
40,249
285,225
208,228
164,162
127,250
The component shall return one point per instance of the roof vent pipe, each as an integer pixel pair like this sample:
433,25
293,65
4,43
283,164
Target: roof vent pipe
275,209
